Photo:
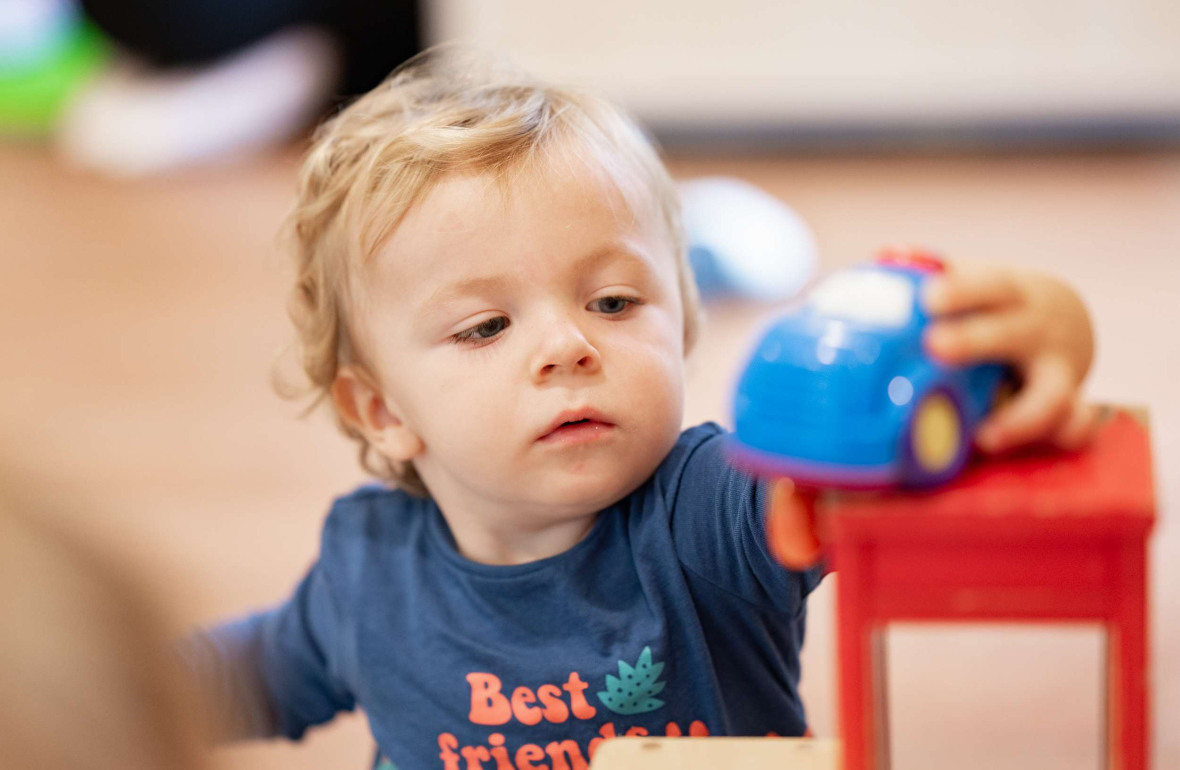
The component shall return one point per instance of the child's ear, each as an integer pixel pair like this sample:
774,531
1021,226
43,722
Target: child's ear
362,406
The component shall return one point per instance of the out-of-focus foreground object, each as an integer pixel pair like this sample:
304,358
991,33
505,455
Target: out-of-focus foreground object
133,119
191,81
1025,538
714,752
85,669
743,242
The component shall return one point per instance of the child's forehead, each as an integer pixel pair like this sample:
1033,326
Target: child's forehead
533,180
469,212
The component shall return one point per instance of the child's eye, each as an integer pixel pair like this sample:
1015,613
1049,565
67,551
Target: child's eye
483,331
613,305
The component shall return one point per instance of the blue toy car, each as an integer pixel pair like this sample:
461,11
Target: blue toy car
840,393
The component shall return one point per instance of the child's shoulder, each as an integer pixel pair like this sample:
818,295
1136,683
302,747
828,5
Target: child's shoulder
372,512
368,494
691,440
700,444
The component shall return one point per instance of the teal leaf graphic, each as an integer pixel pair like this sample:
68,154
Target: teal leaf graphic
634,690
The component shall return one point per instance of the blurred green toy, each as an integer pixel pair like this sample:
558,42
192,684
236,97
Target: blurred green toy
47,49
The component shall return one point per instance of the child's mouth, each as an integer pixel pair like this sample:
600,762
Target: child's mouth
578,432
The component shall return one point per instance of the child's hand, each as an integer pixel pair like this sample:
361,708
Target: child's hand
1031,321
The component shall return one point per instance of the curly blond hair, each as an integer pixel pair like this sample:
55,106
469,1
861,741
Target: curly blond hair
446,110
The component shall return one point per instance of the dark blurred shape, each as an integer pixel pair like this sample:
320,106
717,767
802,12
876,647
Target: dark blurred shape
374,35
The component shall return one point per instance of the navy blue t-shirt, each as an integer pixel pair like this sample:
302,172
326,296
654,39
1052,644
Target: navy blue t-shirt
670,617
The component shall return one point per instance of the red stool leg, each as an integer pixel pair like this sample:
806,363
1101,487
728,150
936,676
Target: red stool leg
1128,718
880,697
857,660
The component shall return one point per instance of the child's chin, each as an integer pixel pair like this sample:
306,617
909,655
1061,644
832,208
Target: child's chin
593,491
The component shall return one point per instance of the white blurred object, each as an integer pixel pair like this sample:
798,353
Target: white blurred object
32,31
744,241
133,121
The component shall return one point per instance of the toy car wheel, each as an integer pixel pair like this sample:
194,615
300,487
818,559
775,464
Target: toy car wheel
935,444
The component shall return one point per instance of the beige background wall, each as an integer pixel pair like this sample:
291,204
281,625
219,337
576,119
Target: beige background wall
738,61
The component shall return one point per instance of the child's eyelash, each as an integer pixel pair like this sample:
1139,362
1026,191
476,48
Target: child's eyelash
473,335
487,331
628,302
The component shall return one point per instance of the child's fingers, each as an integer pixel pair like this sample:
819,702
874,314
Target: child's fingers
791,527
1003,336
1035,413
966,287
1079,427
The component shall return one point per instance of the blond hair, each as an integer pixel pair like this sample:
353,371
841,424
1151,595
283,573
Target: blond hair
446,110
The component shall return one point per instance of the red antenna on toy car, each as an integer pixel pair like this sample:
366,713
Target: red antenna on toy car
912,258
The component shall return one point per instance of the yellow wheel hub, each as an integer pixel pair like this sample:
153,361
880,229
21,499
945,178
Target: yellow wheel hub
937,433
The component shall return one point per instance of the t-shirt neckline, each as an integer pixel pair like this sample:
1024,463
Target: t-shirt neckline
442,541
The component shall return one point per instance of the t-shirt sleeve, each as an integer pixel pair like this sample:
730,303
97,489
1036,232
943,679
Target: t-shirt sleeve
272,672
718,524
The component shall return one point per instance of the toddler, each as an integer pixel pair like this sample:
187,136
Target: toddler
493,294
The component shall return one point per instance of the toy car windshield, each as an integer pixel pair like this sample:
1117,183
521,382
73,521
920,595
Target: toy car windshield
866,296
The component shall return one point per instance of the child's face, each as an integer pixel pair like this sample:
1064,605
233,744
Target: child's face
491,318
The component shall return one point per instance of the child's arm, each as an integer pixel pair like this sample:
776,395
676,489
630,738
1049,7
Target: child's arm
1034,322
274,672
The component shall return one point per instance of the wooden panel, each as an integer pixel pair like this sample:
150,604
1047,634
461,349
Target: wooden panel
713,753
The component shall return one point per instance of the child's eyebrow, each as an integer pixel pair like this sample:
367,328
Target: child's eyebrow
467,286
611,252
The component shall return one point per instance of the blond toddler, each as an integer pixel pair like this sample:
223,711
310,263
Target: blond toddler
494,296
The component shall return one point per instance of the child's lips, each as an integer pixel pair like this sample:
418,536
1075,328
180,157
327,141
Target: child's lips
578,432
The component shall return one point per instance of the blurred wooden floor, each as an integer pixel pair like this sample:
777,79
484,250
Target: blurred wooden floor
139,322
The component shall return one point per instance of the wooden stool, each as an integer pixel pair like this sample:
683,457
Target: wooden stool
1028,538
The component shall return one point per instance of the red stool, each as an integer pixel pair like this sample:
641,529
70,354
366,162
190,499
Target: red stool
1028,538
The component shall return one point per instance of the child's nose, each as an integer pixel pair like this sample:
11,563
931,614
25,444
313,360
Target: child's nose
564,348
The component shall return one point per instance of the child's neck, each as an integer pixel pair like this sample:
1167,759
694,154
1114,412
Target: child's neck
484,539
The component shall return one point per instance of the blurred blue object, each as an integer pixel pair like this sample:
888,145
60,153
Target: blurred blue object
744,242
840,393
